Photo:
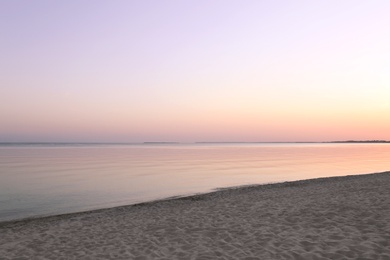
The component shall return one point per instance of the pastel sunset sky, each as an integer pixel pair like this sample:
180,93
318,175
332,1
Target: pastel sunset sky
187,71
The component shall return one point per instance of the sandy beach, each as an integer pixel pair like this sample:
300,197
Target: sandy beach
329,218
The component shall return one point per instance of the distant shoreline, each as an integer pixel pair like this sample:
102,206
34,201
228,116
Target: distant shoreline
365,141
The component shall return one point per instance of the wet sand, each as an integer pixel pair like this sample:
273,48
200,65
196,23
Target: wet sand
329,218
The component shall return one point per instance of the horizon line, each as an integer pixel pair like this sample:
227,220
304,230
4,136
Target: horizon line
196,142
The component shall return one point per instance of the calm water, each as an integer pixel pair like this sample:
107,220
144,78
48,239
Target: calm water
44,180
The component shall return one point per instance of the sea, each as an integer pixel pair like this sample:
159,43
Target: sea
49,179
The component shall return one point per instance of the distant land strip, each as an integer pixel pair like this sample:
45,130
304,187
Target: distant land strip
161,142
360,141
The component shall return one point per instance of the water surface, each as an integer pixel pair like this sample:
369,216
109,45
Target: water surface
52,179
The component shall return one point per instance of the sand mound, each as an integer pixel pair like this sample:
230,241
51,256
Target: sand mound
332,218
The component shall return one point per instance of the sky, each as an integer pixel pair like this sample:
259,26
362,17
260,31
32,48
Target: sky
190,71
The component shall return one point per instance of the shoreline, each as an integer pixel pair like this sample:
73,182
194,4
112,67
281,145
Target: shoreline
195,196
337,217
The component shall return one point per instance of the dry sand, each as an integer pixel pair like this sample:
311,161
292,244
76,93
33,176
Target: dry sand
330,218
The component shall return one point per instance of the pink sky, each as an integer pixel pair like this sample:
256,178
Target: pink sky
135,71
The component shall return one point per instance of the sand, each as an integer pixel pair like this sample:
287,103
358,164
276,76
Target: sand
329,218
